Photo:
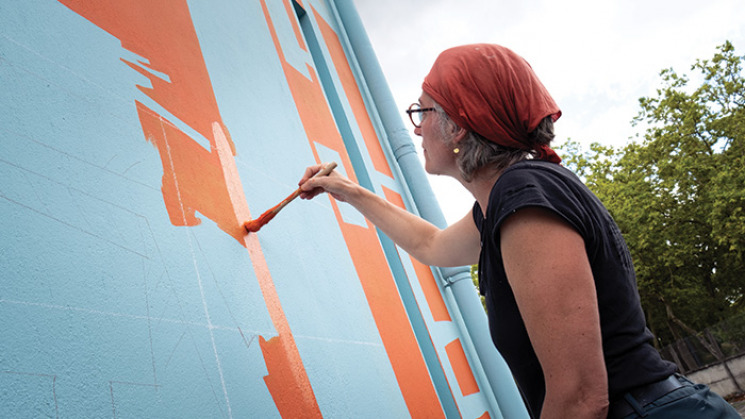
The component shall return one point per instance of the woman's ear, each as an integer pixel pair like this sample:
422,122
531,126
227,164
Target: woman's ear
459,133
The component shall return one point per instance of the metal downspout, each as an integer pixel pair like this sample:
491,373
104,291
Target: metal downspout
457,280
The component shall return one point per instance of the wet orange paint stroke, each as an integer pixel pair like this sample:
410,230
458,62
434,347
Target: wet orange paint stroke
368,258
193,178
196,179
287,379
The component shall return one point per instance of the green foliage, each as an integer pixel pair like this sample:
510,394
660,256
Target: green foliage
731,334
475,280
678,195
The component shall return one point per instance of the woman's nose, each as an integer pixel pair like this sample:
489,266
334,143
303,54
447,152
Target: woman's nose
418,131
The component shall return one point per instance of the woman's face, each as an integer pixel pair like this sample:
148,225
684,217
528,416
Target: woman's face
438,154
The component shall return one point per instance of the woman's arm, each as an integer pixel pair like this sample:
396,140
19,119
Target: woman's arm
457,245
547,267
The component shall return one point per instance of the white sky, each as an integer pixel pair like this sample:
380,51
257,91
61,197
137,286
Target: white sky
596,57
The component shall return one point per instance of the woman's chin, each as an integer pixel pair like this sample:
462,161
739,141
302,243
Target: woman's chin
431,168
432,172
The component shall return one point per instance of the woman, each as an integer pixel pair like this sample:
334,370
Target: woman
556,274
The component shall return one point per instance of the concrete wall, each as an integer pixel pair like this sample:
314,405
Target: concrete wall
135,139
717,378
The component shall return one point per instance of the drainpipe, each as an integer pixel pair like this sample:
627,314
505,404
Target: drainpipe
458,286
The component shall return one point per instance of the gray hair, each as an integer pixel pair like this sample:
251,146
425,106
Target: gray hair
477,153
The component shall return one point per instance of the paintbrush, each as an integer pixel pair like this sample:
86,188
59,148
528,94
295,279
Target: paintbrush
254,225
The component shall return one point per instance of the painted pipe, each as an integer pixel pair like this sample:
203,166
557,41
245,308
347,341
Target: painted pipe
457,280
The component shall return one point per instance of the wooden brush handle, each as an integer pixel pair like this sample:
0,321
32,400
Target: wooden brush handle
253,226
326,170
323,172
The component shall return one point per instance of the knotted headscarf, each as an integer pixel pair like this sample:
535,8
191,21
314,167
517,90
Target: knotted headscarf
494,92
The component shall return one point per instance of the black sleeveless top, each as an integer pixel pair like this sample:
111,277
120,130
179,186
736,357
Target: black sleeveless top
630,358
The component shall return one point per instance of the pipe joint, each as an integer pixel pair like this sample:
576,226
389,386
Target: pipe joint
452,276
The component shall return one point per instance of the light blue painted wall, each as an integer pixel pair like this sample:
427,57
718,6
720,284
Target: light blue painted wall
107,308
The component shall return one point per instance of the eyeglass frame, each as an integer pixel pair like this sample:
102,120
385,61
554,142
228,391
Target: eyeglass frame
421,110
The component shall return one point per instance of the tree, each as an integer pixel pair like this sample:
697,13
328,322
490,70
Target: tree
475,281
678,194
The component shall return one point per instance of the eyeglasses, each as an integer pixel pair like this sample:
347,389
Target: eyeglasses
416,114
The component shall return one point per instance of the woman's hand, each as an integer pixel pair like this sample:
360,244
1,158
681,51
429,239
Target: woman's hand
335,184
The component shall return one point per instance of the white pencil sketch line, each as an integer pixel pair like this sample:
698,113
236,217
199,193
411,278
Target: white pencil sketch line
149,322
54,393
196,269
331,340
114,314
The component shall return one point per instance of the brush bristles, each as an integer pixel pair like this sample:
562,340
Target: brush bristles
254,225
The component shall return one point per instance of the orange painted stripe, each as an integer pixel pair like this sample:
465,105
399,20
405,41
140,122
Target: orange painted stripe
295,26
352,92
463,373
286,380
392,322
423,273
367,255
431,292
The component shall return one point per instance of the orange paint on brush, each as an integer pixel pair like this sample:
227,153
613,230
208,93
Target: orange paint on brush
254,225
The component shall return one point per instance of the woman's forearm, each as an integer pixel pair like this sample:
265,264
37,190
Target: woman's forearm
412,233
454,246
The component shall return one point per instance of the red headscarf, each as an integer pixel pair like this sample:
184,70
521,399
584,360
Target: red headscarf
494,92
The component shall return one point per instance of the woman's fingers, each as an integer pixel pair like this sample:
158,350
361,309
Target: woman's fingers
310,171
309,188
334,184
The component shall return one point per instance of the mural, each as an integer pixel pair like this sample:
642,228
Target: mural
136,139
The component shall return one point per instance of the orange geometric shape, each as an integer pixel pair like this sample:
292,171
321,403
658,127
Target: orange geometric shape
424,275
463,373
353,95
163,34
193,177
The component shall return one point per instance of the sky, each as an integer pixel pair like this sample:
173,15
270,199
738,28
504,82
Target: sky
595,57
